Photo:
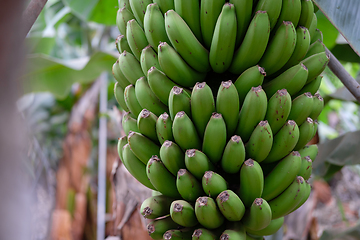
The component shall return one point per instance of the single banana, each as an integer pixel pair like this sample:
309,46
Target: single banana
214,140
158,227
147,98
252,112
184,132
156,206
317,36
271,229
130,67
129,123
230,205
183,213
306,168
135,167
122,44
243,9
279,106
310,150
204,234
273,9
138,7
121,143
131,101
179,100
178,234
233,156
165,5
213,184
209,13
119,96
317,106
280,48
254,44
223,41
188,186
119,76
307,11
207,213
164,128
305,195
227,104
290,11
146,123
142,146
148,59
316,47
234,230
123,16
189,11
136,38
316,64
125,3
176,68
259,145
197,163
311,87
306,133
284,142
202,106
313,25
154,26
251,77
161,178
251,182
172,157
281,176
258,216
301,108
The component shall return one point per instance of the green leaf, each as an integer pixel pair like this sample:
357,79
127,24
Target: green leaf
344,52
345,17
44,73
340,234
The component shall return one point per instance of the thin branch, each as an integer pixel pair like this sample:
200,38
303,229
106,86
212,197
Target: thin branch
349,82
30,15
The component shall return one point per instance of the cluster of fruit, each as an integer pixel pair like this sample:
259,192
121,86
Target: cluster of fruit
221,100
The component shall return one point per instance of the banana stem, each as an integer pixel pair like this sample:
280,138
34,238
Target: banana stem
30,15
349,82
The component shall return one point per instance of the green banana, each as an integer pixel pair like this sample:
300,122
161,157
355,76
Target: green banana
307,11
178,234
189,11
147,98
158,227
273,9
290,11
122,17
130,67
188,186
317,106
306,167
301,108
121,143
176,68
233,156
252,112
119,76
129,123
284,142
254,44
280,48
197,163
186,43
230,205
148,59
165,5
251,77
207,213
213,184
288,199
234,230
202,106
313,25
209,13
125,3
131,101
316,47
164,128
306,133
251,182
142,147
184,132
172,157
183,213
293,79
138,7
161,178
154,26
155,193
146,123
223,41
136,38
310,150
316,64
305,195
258,216
259,145
317,36
179,100
203,234
243,9
227,104
311,87
214,140
135,167
281,176
119,96
271,229
156,206
278,110
252,237
122,44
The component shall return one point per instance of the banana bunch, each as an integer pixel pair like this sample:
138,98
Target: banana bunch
221,101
